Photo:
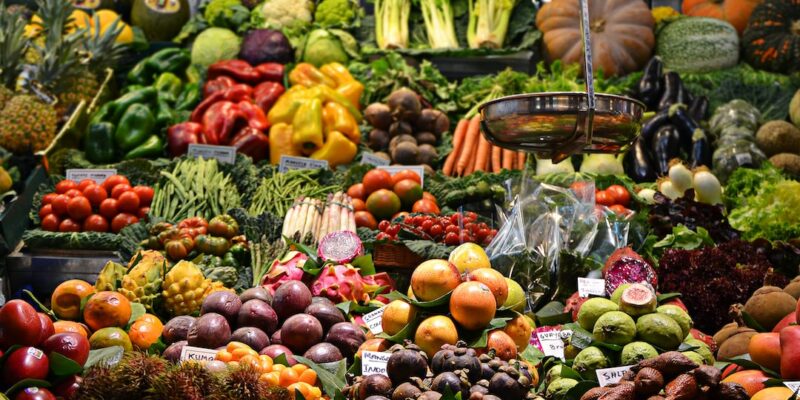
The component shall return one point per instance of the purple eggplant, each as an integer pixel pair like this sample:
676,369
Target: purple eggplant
701,149
686,126
666,145
638,162
650,84
673,90
699,108
651,125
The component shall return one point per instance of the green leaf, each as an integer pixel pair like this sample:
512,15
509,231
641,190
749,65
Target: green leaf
108,355
578,390
61,365
567,372
747,363
26,383
281,359
331,383
395,295
481,339
751,322
532,355
553,314
42,307
137,310
364,264
157,348
664,297
404,333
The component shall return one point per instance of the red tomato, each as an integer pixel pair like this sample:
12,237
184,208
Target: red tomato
358,204
618,209
46,210
79,208
428,196
95,223
406,174
365,219
425,206
96,194
121,221
619,194
145,194
356,191
578,186
66,184
50,223
604,198
143,212
108,208
74,193
119,190
114,180
48,198
128,202
69,225
60,204
84,183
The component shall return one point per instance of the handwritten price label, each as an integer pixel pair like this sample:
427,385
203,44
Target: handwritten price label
223,154
199,354
588,286
794,385
97,175
393,169
608,376
552,342
372,159
373,362
374,320
290,162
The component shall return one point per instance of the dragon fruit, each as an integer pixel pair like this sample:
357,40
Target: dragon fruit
288,268
629,270
340,247
381,280
341,282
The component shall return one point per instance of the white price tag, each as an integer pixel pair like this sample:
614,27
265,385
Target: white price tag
588,286
743,158
373,362
372,159
608,376
373,321
289,163
97,175
793,385
223,154
552,342
199,354
419,169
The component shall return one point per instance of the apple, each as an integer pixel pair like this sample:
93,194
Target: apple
68,387
25,363
19,324
35,393
47,328
69,344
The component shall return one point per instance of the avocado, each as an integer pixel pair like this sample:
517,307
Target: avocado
160,20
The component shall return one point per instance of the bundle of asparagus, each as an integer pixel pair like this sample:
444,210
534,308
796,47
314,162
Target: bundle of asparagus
338,215
313,217
302,218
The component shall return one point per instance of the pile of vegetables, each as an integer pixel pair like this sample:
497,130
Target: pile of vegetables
764,204
276,193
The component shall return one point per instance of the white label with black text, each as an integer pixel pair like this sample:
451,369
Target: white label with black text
223,154
199,354
289,163
372,159
419,169
553,342
588,286
374,320
608,376
97,175
793,385
373,362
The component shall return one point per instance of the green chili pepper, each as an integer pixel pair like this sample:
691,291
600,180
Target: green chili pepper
189,97
120,106
165,116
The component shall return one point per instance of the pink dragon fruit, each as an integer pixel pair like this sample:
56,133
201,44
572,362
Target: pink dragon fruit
341,282
629,270
288,268
340,247
379,280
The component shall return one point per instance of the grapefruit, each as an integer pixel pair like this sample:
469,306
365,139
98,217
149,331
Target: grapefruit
396,316
435,332
494,280
469,257
433,279
472,305
383,204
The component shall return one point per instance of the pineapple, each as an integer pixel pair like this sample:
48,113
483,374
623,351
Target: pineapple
27,124
109,276
142,283
184,288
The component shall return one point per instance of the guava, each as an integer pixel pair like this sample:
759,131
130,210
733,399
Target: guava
634,352
593,309
553,373
618,292
702,349
615,327
559,387
637,299
695,357
590,360
679,315
660,330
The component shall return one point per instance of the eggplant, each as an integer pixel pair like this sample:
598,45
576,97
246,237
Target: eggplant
666,146
651,125
701,149
672,89
699,108
638,162
650,84
686,126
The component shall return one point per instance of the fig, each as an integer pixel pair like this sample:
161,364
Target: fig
25,363
637,299
223,303
251,336
321,353
405,364
258,314
276,337
327,314
177,329
257,293
173,352
69,344
291,298
210,331
375,385
347,337
406,391
300,332
274,350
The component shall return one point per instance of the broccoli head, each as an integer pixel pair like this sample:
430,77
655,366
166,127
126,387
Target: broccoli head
336,13
229,14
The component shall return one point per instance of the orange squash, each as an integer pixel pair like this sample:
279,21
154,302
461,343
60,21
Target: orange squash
622,33
735,12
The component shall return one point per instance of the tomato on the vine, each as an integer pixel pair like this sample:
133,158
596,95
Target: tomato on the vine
451,229
436,230
95,223
619,194
65,185
383,225
50,223
393,230
95,193
451,239
604,198
68,225
426,225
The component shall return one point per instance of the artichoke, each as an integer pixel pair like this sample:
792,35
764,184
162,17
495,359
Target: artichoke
227,275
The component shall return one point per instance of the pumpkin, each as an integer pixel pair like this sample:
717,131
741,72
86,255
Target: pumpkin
622,34
772,38
736,12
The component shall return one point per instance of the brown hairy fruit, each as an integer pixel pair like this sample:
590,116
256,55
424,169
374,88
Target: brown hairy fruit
730,391
707,376
793,288
595,393
623,391
736,344
648,381
671,363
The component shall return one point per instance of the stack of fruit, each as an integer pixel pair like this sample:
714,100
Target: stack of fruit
382,196
452,230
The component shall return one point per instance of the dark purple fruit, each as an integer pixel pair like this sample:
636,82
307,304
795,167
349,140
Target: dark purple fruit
291,298
486,372
406,364
210,331
258,293
506,387
479,389
274,350
447,380
347,336
321,300
406,391
452,358
300,332
327,314
177,329
173,352
251,336
376,397
258,314
321,353
276,337
375,385
223,303
430,395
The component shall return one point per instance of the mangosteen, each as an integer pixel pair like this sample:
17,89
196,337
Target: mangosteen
506,387
486,371
398,128
327,314
322,353
430,395
258,292
479,389
455,358
378,115
405,364
449,380
405,105
405,391
375,385
347,337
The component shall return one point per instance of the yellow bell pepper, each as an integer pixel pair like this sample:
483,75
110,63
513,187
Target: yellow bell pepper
352,91
337,72
331,95
289,102
280,143
337,150
307,126
308,75
337,118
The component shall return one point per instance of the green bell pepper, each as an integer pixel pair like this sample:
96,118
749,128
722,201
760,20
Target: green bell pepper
240,252
164,113
120,106
132,88
173,59
150,148
189,97
103,114
169,84
135,126
99,143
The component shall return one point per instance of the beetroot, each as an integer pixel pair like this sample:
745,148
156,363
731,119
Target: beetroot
340,247
288,268
629,270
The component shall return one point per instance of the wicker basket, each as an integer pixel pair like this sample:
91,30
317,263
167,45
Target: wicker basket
395,256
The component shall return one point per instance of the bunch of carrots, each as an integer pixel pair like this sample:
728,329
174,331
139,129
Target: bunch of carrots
472,152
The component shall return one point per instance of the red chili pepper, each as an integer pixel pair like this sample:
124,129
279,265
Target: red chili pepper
239,70
181,135
220,120
251,142
267,93
216,85
256,118
270,72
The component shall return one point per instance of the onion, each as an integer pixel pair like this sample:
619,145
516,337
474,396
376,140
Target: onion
680,176
667,189
648,195
707,188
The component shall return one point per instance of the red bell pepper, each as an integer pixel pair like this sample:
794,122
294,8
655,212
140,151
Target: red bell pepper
240,92
251,142
220,121
216,85
267,93
270,71
235,94
256,118
239,70
181,135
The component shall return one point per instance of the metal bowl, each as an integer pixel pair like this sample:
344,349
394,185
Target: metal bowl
551,123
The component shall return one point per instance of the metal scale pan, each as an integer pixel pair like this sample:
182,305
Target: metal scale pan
558,124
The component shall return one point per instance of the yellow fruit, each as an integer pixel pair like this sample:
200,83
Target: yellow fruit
142,284
106,17
433,279
5,181
435,332
80,20
396,316
469,257
492,279
126,35
108,337
472,305
519,329
184,288
516,297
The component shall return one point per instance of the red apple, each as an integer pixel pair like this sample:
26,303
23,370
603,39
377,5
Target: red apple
789,319
47,327
68,387
68,344
25,363
19,324
35,393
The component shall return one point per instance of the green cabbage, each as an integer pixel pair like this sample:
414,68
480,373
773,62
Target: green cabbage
324,46
214,44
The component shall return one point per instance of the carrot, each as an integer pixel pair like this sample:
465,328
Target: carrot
470,145
496,151
458,141
484,147
508,159
520,160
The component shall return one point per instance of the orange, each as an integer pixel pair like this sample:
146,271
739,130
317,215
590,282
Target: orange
145,331
67,297
751,380
150,318
308,376
70,326
396,316
773,393
270,378
519,329
106,309
433,279
469,257
494,280
502,344
435,332
288,377
472,305
765,349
